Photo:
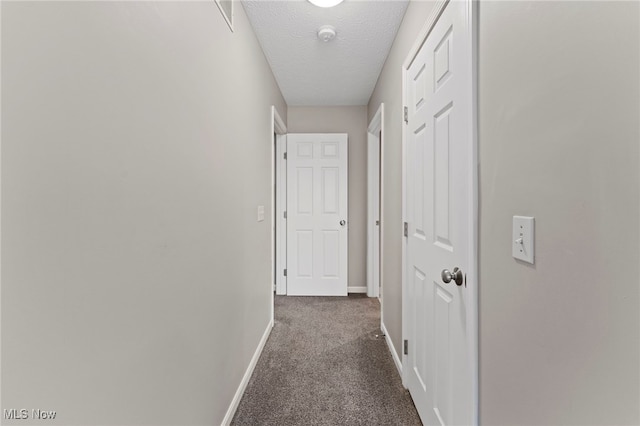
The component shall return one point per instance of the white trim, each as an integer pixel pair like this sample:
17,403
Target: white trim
381,213
376,122
357,289
0,195
472,273
375,136
277,127
392,349
473,277
371,139
381,308
403,268
231,411
280,208
227,19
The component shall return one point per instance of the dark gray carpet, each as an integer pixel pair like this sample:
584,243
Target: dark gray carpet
323,365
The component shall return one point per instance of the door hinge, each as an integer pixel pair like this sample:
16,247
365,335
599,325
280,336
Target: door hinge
285,214
406,347
406,115
406,229
285,272
285,155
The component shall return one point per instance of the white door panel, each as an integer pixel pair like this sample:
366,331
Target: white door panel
438,205
317,203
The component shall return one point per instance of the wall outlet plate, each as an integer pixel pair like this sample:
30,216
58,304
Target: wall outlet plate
522,242
260,213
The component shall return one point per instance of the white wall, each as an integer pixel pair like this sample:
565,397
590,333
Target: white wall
559,104
353,121
389,90
559,140
135,150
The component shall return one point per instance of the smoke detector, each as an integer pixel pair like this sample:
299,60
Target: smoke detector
326,33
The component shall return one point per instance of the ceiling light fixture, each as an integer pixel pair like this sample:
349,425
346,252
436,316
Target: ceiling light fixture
326,3
326,33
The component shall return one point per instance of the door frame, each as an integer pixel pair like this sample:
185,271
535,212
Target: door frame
279,129
280,212
472,273
375,136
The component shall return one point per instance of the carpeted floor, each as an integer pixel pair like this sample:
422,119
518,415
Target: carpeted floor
323,365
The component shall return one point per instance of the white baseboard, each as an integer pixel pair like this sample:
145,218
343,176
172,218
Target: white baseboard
392,349
231,411
361,289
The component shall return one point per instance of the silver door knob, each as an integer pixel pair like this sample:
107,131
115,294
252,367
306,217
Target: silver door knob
456,276
343,222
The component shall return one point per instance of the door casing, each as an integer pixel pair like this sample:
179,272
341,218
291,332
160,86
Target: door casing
374,197
279,203
472,272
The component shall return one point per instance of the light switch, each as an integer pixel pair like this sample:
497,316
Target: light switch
522,241
260,213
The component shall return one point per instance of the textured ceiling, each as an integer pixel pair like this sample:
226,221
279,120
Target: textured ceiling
311,72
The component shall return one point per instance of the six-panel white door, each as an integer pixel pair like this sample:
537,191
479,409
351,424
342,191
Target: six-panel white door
437,368
317,230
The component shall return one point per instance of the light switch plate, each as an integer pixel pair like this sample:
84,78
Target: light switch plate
523,235
260,213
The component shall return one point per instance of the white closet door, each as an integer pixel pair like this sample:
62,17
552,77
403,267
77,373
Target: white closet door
317,229
437,365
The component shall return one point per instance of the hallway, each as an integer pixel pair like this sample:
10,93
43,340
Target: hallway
323,365
138,213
